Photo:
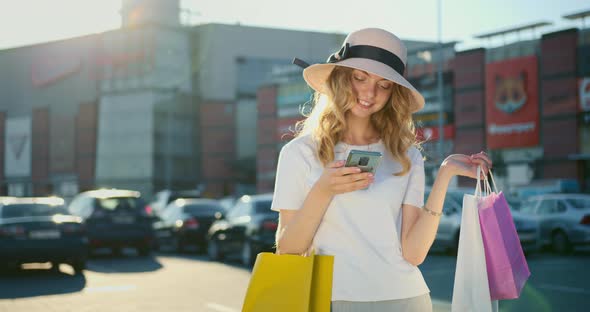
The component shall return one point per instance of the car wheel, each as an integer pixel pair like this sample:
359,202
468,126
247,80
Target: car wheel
179,245
55,266
560,243
202,248
144,250
117,251
213,251
247,254
454,248
79,266
9,266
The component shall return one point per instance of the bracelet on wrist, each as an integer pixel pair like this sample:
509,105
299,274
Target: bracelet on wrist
431,212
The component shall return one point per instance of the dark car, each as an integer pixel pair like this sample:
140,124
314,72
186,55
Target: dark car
41,230
185,222
115,219
163,198
248,228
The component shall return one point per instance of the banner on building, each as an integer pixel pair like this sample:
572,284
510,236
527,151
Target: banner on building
512,103
17,149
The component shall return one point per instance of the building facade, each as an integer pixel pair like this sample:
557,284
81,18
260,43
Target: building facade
526,104
161,105
154,105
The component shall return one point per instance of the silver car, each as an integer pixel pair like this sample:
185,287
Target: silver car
564,219
447,235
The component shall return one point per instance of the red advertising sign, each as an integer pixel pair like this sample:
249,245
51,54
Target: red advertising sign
512,103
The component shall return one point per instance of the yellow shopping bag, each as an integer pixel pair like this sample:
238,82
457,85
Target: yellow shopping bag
290,283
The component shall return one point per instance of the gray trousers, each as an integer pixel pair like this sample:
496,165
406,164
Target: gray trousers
415,304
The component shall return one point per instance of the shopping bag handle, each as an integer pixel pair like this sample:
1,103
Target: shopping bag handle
487,186
308,253
493,182
477,192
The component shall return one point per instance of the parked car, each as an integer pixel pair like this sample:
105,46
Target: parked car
546,186
248,228
39,229
227,202
447,235
564,219
514,202
185,222
163,198
115,219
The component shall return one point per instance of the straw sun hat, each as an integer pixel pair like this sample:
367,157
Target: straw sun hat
373,50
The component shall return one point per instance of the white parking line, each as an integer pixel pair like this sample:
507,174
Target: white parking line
565,289
219,307
110,288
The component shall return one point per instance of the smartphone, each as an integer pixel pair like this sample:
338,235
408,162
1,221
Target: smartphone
366,160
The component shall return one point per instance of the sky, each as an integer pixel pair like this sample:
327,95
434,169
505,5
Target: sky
25,22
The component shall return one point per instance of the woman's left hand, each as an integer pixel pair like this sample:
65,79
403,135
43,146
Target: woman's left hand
463,165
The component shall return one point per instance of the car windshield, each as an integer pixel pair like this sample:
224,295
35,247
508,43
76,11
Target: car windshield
514,203
31,210
202,208
120,203
528,207
579,203
179,196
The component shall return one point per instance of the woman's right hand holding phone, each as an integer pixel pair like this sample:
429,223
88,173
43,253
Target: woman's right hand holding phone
337,179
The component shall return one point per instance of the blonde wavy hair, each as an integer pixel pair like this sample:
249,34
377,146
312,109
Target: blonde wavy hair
327,121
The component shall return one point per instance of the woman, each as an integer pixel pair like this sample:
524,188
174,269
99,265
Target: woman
376,226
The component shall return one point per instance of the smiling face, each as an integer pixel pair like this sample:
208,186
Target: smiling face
371,93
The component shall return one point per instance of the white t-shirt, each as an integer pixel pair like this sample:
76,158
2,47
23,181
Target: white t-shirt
361,229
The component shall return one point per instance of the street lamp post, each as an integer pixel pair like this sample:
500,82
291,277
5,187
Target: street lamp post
440,85
168,154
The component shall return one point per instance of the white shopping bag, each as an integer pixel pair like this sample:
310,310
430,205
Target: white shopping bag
471,292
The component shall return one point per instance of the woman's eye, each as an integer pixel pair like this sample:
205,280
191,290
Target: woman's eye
385,86
358,78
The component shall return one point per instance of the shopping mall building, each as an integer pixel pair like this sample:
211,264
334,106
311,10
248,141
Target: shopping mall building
526,103
163,104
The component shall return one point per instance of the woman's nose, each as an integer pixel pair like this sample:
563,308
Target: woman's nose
371,90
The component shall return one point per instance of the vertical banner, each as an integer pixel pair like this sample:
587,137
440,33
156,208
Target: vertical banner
17,152
512,103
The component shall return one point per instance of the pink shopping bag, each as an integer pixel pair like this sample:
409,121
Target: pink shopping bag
506,265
